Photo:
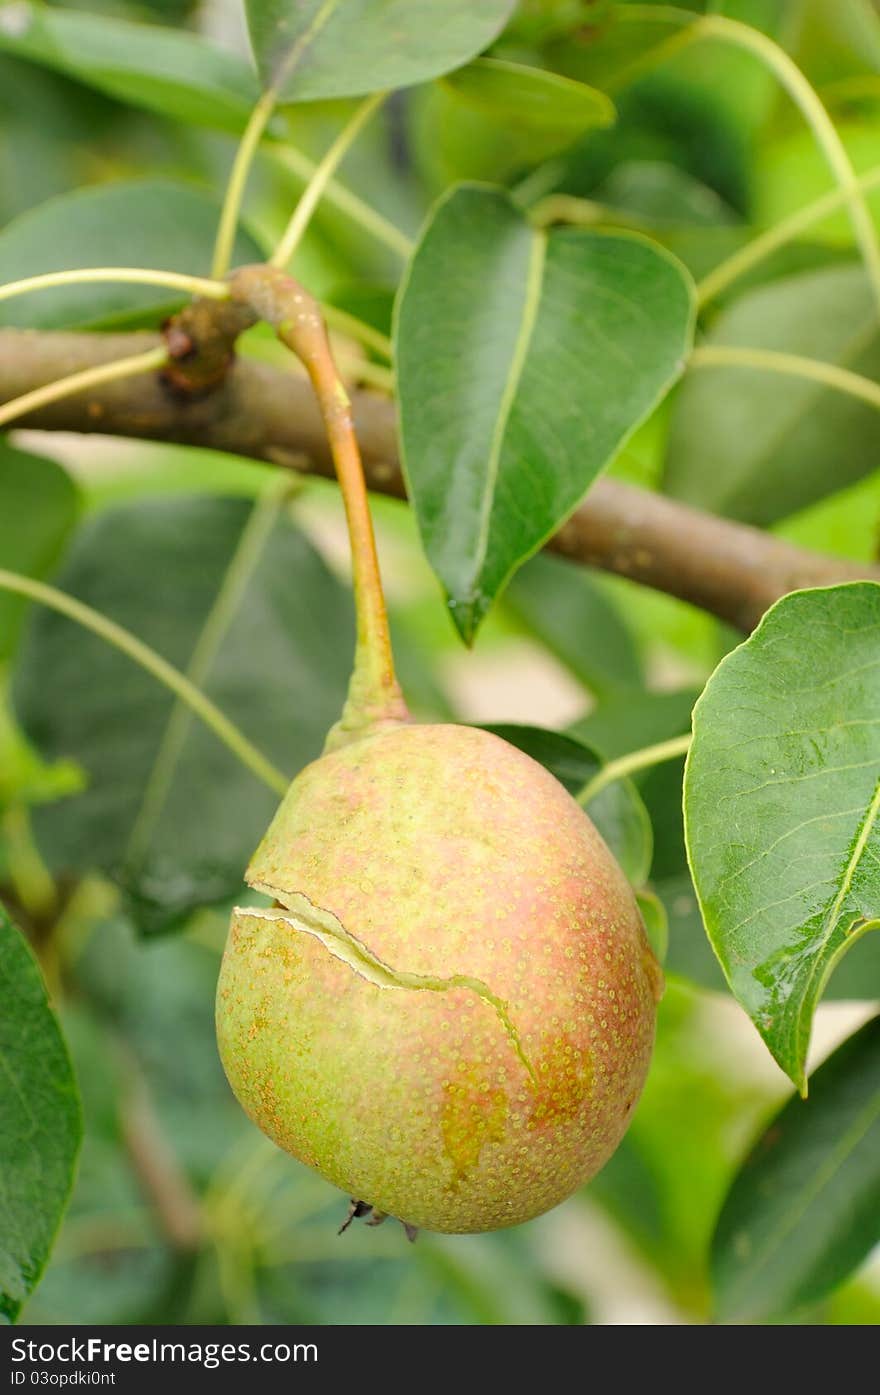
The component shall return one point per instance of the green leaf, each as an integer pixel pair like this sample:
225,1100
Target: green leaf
39,503
775,444
574,617
495,120
525,360
40,1122
530,100
782,792
690,954
804,1210
617,812
168,71
150,222
169,812
312,49
44,134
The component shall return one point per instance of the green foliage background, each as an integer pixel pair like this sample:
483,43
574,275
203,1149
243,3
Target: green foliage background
145,834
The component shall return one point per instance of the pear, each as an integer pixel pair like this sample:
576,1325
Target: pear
449,1012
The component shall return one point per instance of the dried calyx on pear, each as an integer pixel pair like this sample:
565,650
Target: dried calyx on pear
449,1009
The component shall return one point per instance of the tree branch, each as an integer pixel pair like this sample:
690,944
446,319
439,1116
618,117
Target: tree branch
733,571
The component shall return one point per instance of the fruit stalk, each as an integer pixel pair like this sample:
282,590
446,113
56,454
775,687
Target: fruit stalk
374,696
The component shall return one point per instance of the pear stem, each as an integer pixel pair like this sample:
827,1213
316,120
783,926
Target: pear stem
374,696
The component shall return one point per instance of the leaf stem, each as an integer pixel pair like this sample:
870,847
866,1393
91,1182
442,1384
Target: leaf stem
784,68
374,695
784,232
238,177
135,275
342,198
148,659
82,382
630,763
791,365
323,173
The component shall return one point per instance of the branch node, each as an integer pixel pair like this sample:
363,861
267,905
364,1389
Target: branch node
201,342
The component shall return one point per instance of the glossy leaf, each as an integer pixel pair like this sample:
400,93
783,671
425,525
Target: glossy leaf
150,222
40,1122
169,811
525,360
310,49
168,71
804,1210
690,955
39,503
775,443
782,793
617,812
528,99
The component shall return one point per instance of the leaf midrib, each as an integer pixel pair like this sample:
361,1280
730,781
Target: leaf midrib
519,357
832,917
301,45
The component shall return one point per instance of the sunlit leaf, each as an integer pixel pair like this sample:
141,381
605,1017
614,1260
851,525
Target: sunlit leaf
782,794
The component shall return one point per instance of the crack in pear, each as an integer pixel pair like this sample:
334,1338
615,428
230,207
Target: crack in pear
301,914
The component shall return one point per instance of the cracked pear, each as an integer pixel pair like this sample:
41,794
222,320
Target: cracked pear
448,1012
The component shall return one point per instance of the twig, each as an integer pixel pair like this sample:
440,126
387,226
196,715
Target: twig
728,569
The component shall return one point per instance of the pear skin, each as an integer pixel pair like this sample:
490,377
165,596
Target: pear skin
449,1010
